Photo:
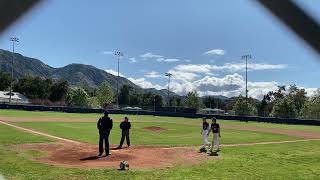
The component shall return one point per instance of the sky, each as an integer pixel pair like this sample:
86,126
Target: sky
200,42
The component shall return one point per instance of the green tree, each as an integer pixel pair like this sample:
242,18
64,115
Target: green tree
34,87
59,91
105,94
77,97
5,80
265,107
175,101
92,91
242,107
284,107
298,96
209,102
147,99
93,102
311,109
135,99
158,100
193,101
124,95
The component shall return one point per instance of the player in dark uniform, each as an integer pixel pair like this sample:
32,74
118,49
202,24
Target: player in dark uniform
215,128
125,126
104,126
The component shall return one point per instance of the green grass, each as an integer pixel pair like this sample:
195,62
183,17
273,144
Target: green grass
9,135
282,161
277,126
176,134
19,113
299,160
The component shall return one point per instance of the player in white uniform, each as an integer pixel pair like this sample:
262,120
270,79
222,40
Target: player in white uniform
205,133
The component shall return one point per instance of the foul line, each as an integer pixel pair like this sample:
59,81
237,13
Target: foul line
265,143
40,133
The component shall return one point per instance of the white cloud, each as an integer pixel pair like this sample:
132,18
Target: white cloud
132,60
214,84
235,67
150,55
159,58
201,77
215,52
311,91
167,60
183,76
229,85
153,74
195,68
113,72
107,52
251,67
142,82
259,89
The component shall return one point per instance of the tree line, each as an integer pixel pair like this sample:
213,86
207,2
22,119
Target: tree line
285,102
290,102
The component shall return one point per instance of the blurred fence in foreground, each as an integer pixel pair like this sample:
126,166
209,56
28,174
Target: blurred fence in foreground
163,113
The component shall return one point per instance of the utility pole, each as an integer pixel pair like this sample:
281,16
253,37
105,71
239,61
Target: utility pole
119,55
154,104
246,57
169,77
13,40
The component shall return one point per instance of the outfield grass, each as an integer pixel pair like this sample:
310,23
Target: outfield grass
176,134
281,161
300,160
179,120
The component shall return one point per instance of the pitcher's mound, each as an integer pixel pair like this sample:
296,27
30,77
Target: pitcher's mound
154,128
85,156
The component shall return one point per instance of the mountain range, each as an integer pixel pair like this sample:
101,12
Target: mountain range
75,74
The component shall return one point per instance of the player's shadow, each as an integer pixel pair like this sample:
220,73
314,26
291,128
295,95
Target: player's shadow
214,154
116,148
90,158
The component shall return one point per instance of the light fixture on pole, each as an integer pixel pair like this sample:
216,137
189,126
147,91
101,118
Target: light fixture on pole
13,40
169,77
119,55
246,57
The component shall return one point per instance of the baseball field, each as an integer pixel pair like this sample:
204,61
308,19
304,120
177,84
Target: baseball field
52,145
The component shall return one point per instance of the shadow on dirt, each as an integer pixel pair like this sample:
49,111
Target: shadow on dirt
90,158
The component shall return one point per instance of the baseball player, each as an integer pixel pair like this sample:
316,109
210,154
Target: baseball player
215,128
205,133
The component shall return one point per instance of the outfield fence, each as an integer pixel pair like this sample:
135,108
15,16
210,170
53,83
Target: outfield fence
163,113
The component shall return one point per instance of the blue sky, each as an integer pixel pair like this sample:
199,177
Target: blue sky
200,42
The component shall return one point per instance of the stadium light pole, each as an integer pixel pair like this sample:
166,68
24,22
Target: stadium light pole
246,57
169,77
13,40
119,55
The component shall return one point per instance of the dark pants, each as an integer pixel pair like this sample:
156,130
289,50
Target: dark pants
104,136
125,135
